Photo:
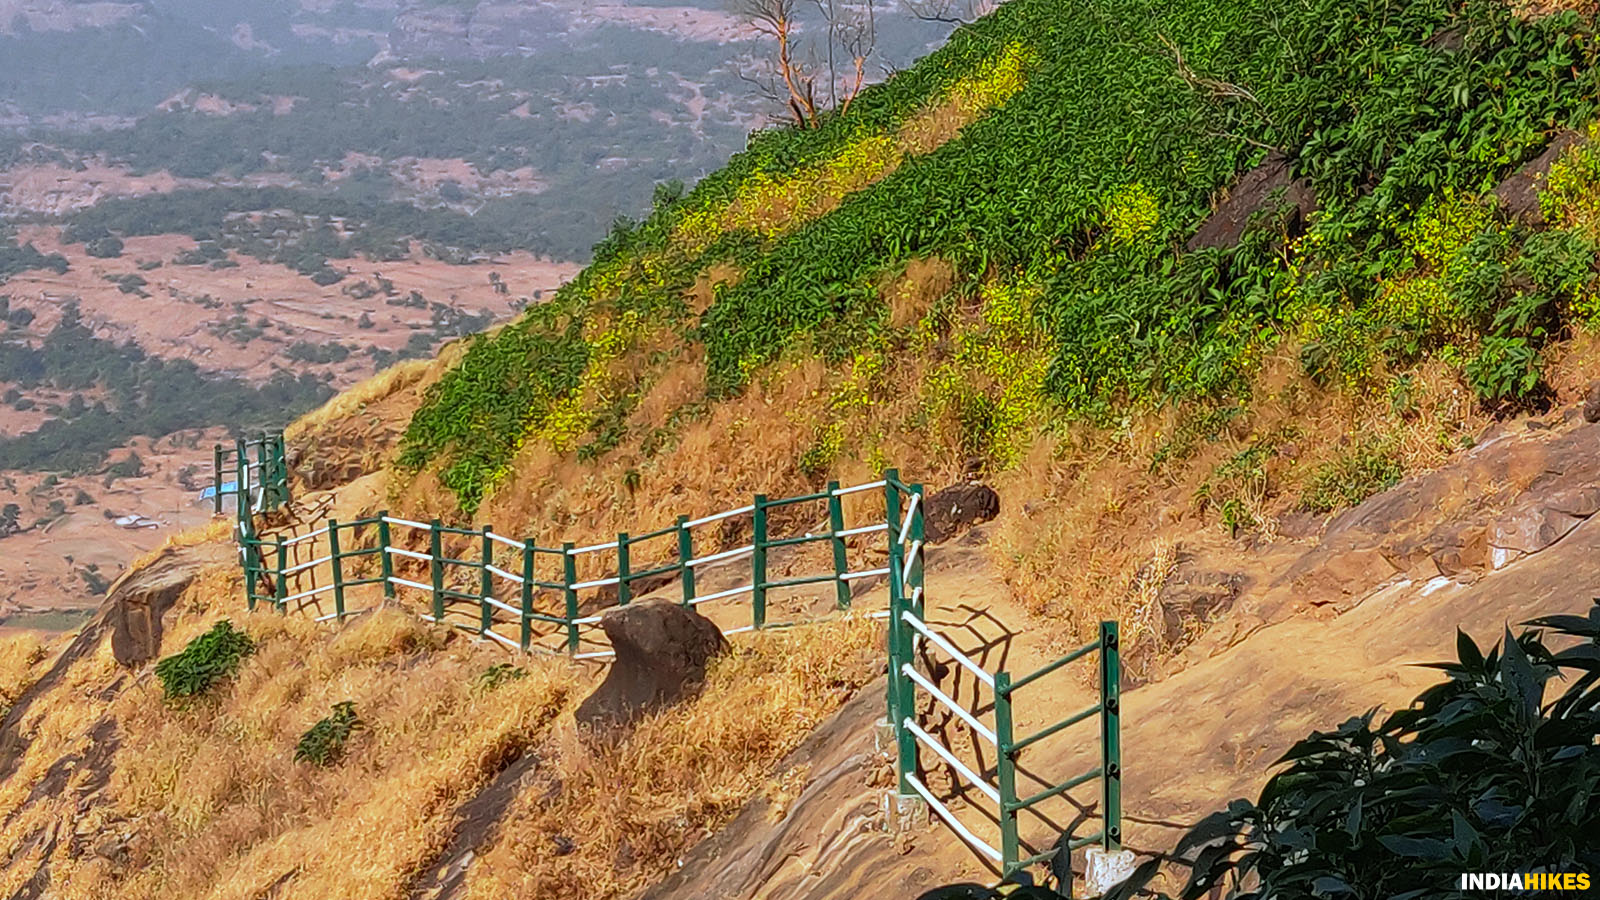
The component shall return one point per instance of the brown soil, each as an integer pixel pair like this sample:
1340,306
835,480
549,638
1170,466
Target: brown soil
41,568
189,306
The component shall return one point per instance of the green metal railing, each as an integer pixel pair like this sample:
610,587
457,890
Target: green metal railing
492,583
256,471
908,629
535,591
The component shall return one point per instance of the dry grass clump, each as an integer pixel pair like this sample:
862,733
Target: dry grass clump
1087,512
385,384
607,819
207,792
22,657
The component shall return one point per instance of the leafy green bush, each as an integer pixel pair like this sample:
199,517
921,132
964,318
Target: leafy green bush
323,743
1505,369
206,660
1479,774
1352,478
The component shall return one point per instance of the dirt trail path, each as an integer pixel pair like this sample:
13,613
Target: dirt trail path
1208,733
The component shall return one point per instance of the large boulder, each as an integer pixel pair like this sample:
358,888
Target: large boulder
662,650
951,511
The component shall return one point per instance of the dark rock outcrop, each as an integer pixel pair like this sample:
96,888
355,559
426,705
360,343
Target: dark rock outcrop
953,510
1263,191
1591,403
136,605
662,653
1518,195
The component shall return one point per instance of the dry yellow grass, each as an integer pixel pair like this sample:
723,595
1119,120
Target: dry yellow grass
203,799
607,819
22,658
347,403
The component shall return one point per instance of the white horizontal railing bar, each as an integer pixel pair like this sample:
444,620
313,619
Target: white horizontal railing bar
578,551
954,823
505,606
864,529
421,587
858,488
741,630
598,582
303,594
505,540
939,641
504,640
598,654
879,614
932,744
911,510
394,521
509,576
411,553
717,517
719,595
306,537
953,706
726,554
868,573
308,565
586,620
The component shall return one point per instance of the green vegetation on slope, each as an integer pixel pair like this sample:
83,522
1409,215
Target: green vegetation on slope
1095,147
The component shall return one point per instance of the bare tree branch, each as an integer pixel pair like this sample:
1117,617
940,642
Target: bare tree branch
850,33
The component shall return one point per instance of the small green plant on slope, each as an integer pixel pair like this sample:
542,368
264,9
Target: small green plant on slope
1480,774
323,743
1352,478
498,674
206,660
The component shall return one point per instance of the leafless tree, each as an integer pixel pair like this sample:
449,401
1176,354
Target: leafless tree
803,74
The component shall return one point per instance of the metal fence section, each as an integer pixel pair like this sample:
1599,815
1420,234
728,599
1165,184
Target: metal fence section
254,472
550,599
909,634
539,598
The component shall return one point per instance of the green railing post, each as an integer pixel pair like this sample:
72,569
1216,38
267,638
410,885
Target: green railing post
902,704
252,569
685,554
338,568
569,577
758,563
915,598
280,471
280,592
1010,845
486,584
1111,735
526,635
841,558
241,479
216,466
624,571
264,473
436,567
386,560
